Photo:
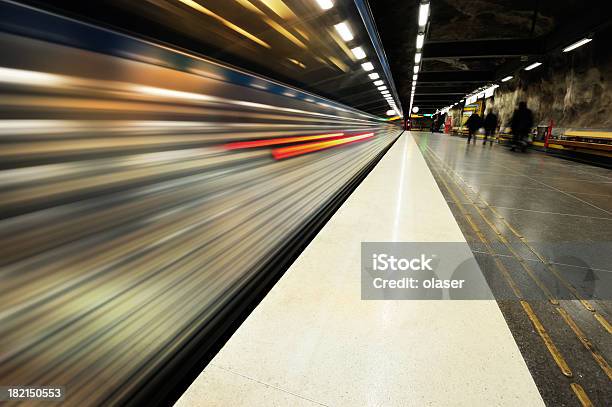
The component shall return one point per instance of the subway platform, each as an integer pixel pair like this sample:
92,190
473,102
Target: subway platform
314,341
540,227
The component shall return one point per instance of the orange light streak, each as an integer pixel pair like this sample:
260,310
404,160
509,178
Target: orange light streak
292,151
284,140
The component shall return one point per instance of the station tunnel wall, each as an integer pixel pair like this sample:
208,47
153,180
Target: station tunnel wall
573,89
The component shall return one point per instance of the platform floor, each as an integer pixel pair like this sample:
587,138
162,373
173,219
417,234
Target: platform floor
313,341
531,204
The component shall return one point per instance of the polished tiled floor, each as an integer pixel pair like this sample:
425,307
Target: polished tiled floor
313,341
561,208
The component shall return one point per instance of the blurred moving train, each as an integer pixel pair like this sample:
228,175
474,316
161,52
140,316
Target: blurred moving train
147,197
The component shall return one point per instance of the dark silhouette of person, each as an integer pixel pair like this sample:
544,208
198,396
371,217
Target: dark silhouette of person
521,124
490,125
474,122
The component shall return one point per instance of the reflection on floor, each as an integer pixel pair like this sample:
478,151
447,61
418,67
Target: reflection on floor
541,230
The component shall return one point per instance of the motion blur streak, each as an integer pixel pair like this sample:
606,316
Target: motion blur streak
229,24
279,140
286,152
126,226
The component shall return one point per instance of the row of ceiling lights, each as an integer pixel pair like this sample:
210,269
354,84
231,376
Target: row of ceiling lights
487,91
344,31
420,40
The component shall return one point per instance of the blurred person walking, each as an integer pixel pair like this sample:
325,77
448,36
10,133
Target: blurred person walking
474,122
521,124
490,125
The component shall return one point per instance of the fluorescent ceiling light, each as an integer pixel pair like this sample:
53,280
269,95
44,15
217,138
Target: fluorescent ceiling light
420,41
534,65
577,44
417,57
367,66
373,75
507,78
344,31
382,87
416,69
423,14
378,83
414,77
358,52
325,4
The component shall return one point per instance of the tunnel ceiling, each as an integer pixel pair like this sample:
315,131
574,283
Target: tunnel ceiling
291,41
470,43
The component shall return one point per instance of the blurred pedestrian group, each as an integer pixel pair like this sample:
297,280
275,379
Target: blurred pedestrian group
520,125
489,123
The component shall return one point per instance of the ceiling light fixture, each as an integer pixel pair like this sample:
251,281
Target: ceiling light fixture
419,41
325,4
534,65
577,44
373,75
423,14
507,78
378,83
344,31
367,66
358,52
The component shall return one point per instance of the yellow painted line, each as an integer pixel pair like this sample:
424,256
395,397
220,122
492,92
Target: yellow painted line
521,261
508,225
603,322
586,304
552,349
548,342
502,268
601,361
550,145
506,243
585,401
547,264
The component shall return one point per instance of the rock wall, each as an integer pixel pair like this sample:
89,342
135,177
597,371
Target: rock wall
574,89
